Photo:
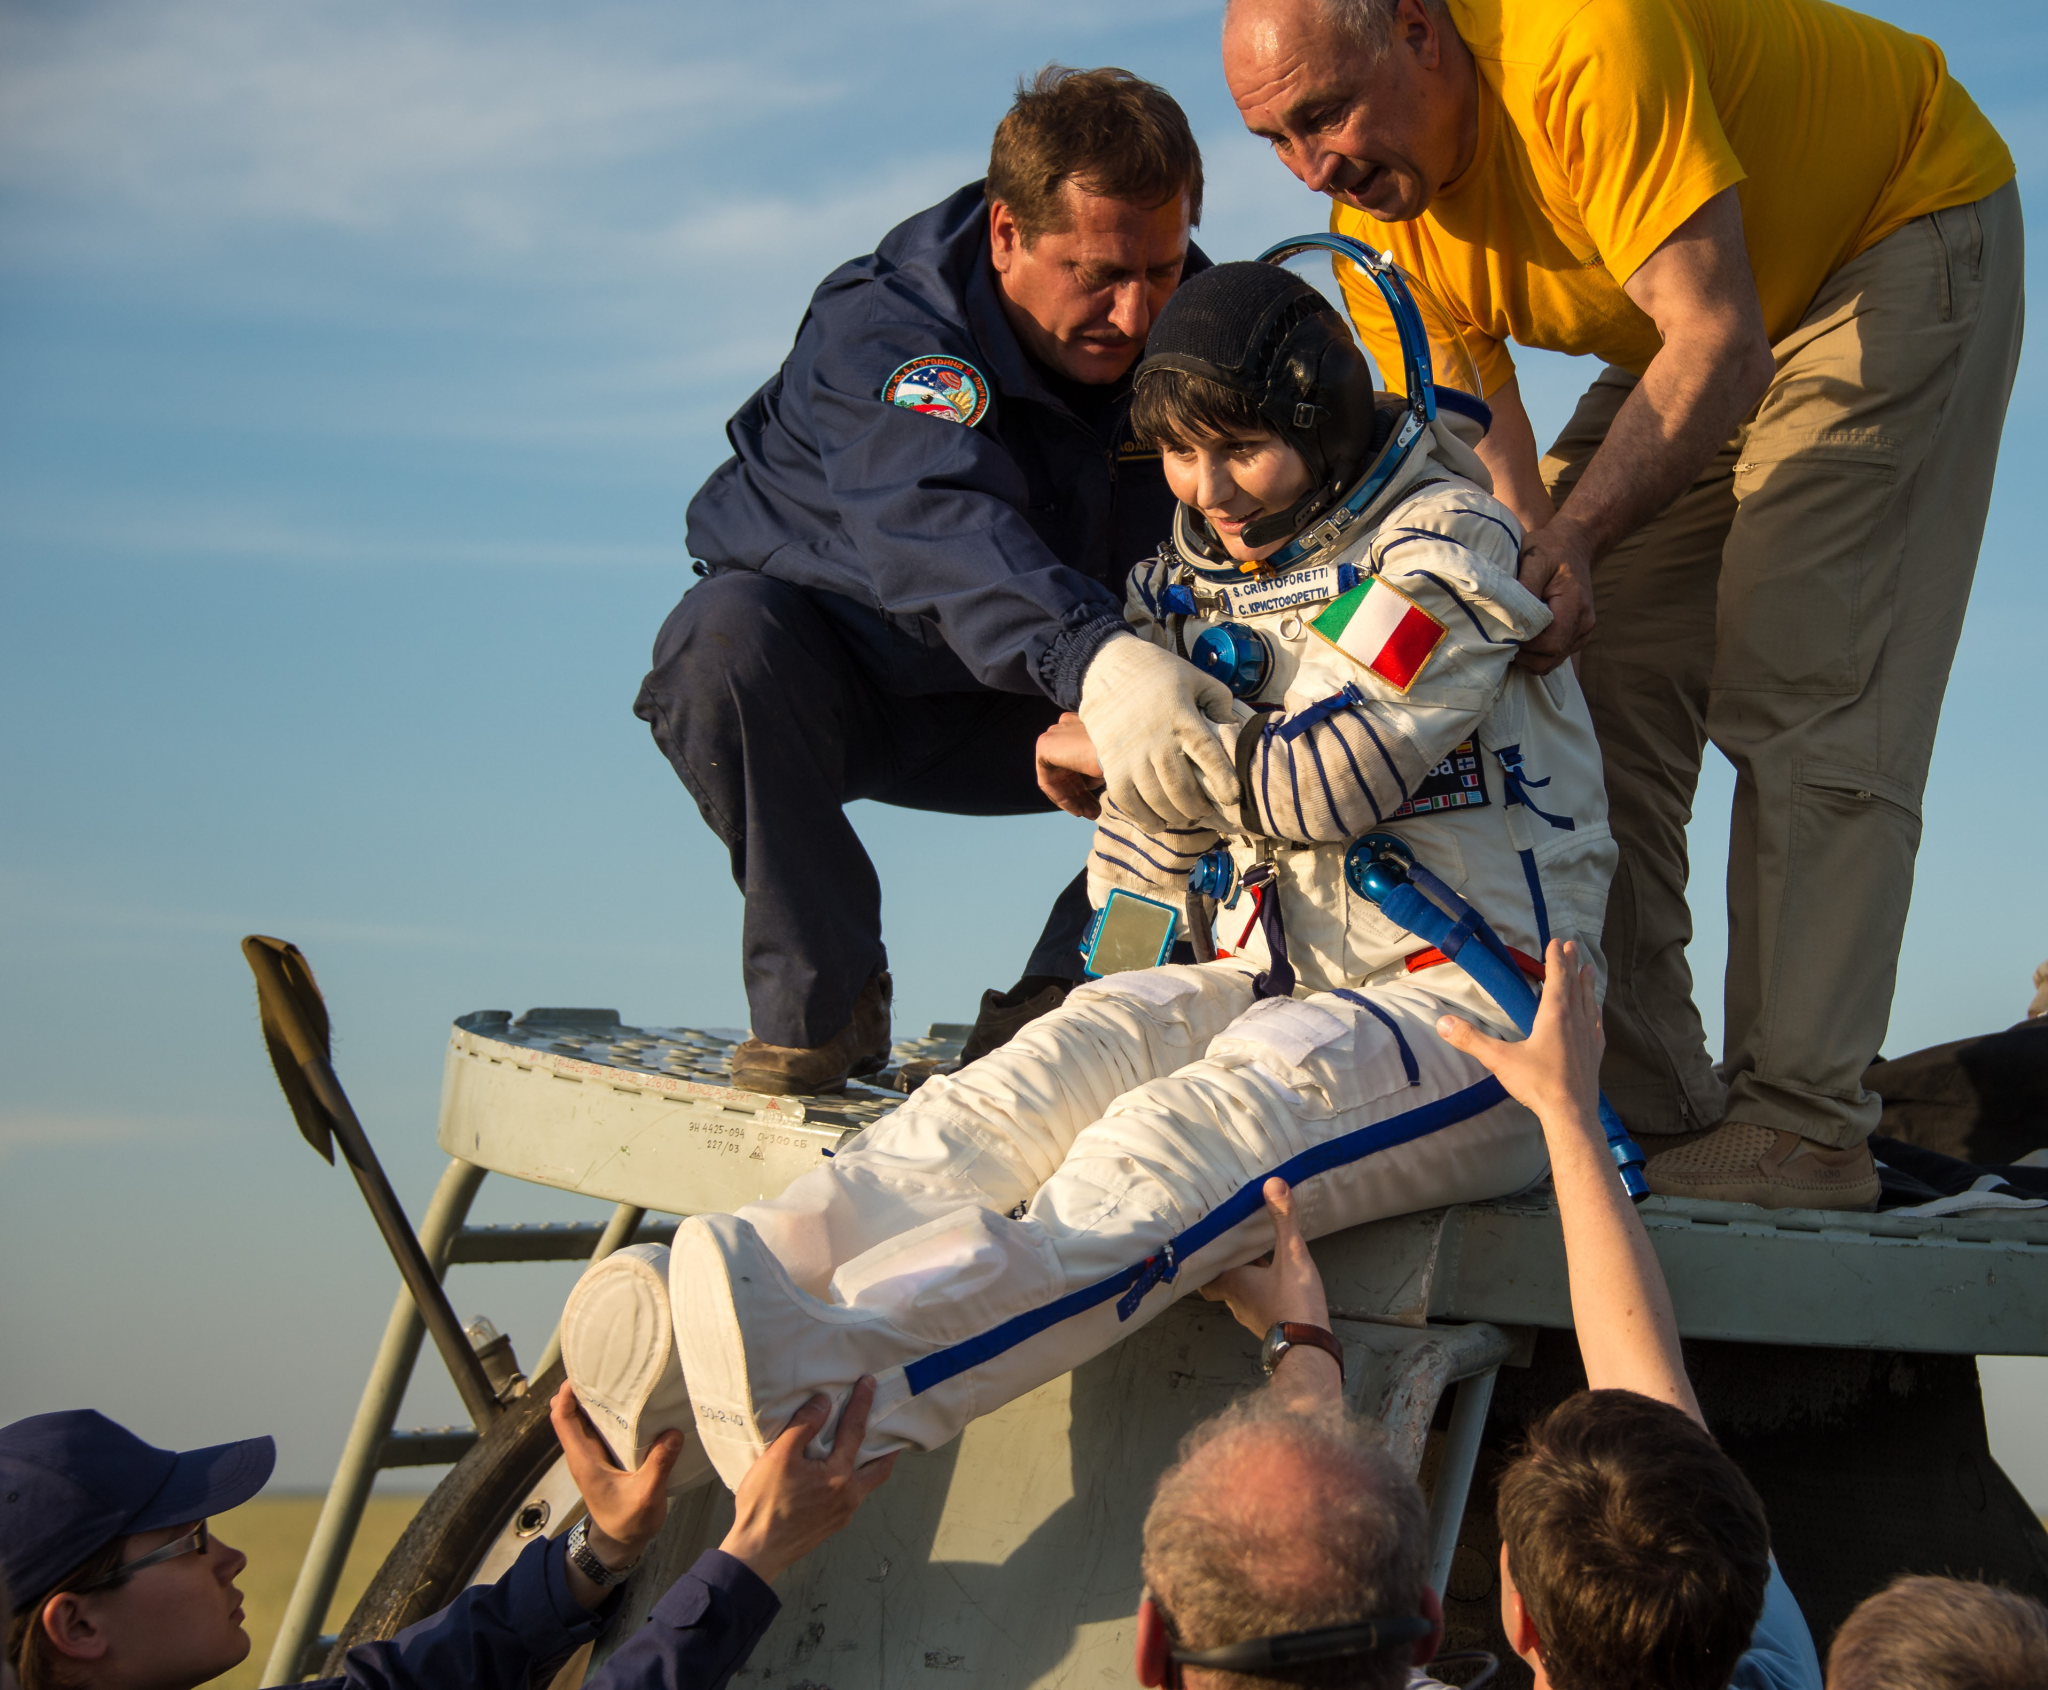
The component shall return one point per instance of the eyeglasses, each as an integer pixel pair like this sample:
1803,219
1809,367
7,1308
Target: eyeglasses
1324,1643
192,1543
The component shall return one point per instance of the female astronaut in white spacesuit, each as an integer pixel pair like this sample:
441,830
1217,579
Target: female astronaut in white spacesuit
1339,565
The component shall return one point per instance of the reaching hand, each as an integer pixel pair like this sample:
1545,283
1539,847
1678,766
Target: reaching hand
626,1509
1068,770
1555,1071
787,1504
1557,566
1153,719
1283,1285
1621,1307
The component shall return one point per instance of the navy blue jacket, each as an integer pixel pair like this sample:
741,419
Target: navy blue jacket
993,554
515,1633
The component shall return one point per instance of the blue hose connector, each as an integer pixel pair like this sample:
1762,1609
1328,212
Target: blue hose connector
1214,875
1376,864
1236,655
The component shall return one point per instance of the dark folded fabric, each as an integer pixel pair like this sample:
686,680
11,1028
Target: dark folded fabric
1982,1100
1911,1174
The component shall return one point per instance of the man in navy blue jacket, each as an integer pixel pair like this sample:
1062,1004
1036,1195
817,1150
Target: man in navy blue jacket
917,552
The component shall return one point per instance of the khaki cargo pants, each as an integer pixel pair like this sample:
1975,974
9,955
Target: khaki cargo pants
1799,606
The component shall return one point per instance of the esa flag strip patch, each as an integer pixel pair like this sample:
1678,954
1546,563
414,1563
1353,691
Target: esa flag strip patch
1381,627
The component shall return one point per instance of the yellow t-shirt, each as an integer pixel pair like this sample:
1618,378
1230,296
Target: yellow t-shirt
1604,124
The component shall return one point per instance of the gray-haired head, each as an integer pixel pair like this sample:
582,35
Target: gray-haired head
1273,1521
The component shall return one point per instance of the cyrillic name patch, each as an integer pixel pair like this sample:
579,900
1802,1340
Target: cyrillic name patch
1292,591
939,386
1457,783
1384,629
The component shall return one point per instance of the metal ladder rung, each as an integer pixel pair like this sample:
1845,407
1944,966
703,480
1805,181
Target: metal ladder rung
545,1241
427,1446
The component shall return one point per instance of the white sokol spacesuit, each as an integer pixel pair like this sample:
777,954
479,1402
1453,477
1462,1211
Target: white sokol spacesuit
1016,1218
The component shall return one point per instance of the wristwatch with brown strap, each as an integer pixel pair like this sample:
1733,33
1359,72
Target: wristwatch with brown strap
1286,1334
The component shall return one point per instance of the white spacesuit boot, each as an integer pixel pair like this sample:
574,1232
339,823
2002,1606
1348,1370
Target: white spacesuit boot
618,1347
1350,1097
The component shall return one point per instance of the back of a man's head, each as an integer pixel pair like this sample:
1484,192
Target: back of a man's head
1640,1551
1941,1634
1275,1521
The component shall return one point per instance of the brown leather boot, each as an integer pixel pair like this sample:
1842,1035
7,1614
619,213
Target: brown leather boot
1006,1014
860,1047
1767,1166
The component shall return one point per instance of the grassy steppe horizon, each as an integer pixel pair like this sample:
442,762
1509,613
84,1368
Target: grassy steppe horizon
273,1531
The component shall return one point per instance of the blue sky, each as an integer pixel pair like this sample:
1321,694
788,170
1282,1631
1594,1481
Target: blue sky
357,362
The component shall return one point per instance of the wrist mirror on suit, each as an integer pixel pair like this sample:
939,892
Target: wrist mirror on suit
1128,932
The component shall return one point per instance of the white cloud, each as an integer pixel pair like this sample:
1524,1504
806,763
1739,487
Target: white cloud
360,115
23,1129
252,534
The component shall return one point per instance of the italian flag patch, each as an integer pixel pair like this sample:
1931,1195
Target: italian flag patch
1384,629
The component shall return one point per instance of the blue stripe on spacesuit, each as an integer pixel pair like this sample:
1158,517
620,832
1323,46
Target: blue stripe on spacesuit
1128,845
1294,786
1131,869
1337,710
1514,539
1358,774
1432,534
1536,898
1408,1063
1387,756
1457,599
935,1369
1322,775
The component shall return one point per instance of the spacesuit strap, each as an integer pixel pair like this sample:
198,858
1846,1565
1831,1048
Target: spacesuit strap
1519,786
1516,814
1251,734
1470,923
1277,980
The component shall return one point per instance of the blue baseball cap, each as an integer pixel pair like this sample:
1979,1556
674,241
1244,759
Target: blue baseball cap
72,1482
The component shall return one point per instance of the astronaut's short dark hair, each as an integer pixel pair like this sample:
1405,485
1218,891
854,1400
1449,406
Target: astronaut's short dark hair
1179,408
1108,132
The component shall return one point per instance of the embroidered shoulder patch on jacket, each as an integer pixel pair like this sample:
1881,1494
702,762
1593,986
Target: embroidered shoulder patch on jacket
1382,628
939,386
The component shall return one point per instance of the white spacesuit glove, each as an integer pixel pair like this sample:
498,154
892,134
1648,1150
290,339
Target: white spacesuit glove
1153,719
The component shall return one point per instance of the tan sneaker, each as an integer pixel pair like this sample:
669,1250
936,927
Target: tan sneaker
1774,1169
860,1047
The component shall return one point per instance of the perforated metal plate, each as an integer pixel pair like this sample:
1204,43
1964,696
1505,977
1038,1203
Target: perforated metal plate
657,1121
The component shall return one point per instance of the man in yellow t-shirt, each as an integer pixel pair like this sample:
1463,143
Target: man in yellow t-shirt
1796,244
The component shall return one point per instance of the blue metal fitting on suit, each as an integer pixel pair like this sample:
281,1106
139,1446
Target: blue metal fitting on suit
1376,864
1214,875
1236,655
